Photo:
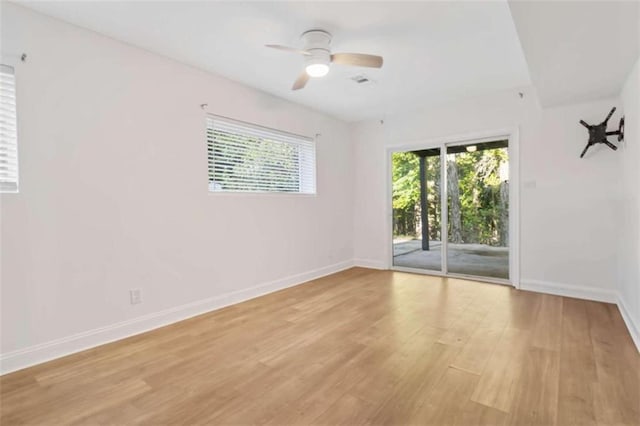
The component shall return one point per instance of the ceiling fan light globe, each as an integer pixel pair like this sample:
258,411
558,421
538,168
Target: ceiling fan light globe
317,70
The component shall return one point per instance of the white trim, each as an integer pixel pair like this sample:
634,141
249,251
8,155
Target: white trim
632,326
419,271
514,207
370,263
475,137
43,352
388,207
569,290
440,274
479,278
37,354
444,211
512,135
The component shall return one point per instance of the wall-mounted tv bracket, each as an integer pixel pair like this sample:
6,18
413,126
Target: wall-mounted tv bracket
598,133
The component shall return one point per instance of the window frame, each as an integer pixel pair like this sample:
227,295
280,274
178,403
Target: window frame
210,125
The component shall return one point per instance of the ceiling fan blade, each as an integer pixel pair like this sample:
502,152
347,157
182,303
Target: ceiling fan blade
288,49
301,81
357,59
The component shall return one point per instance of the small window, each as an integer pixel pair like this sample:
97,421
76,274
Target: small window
8,131
248,158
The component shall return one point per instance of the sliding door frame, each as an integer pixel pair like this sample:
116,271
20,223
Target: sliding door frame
514,200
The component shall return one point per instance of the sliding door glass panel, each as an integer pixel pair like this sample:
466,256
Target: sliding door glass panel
478,209
417,215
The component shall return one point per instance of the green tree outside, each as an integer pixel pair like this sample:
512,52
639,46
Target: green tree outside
482,196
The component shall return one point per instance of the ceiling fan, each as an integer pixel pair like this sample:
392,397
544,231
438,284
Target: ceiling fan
318,56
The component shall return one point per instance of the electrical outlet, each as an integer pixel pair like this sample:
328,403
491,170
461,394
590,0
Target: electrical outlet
136,296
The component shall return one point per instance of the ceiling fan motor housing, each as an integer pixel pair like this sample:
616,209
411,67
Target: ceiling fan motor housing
317,42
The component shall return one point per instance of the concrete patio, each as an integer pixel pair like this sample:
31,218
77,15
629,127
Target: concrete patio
469,259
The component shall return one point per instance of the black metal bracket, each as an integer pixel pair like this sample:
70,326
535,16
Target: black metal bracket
598,133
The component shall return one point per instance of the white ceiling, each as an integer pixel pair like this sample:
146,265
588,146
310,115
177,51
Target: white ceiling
434,51
578,51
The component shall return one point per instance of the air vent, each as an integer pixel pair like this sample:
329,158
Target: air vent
360,79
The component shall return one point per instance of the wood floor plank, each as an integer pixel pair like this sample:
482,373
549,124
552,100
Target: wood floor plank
472,413
536,392
440,403
403,400
330,384
482,342
548,323
388,377
357,347
523,309
617,389
349,410
460,331
577,367
499,379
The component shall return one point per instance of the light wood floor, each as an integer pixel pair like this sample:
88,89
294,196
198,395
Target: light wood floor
362,346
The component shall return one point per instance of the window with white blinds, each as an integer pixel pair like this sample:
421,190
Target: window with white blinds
248,158
8,131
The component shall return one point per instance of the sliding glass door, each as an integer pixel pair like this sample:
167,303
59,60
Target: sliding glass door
417,215
451,209
478,209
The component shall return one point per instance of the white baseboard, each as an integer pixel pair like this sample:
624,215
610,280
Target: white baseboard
588,293
568,290
37,354
632,326
369,263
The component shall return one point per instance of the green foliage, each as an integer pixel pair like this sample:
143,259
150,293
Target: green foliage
406,181
406,193
479,183
483,196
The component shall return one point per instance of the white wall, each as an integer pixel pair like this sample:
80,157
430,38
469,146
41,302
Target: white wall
570,220
568,216
628,212
113,191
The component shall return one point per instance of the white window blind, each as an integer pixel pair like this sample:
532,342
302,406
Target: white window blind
8,131
249,158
